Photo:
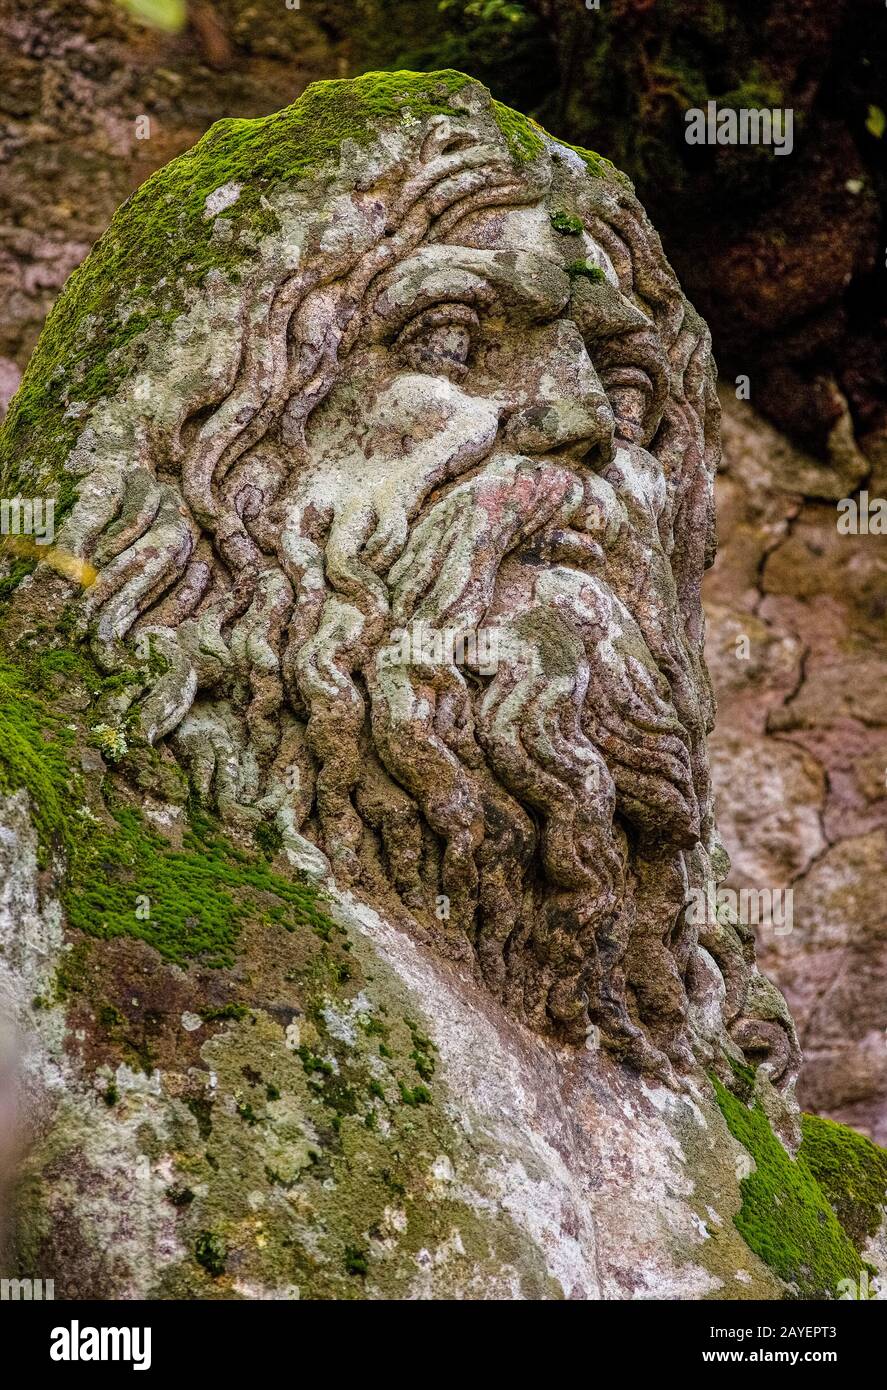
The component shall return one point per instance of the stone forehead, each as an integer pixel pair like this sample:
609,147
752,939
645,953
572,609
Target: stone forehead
156,314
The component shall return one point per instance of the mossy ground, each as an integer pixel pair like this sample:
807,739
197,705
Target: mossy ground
787,1216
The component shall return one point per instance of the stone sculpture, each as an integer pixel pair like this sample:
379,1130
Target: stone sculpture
382,439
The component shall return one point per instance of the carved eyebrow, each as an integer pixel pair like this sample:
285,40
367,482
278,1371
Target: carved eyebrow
532,287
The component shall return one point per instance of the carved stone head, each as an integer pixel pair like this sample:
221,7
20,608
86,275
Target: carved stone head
395,468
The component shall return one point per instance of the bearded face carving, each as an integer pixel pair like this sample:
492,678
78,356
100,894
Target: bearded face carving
420,551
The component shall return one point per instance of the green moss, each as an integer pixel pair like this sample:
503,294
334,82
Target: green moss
422,1055
566,223
18,569
585,269
785,1217
34,754
225,1011
122,877
852,1172
269,838
345,1197
211,1252
356,1260
744,1079
160,245
596,164
312,1063
414,1095
195,899
109,1018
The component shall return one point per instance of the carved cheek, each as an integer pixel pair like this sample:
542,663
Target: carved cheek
421,416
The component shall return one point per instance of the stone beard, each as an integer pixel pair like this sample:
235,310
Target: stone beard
474,405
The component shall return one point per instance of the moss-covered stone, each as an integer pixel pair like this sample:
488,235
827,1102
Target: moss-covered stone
567,223
785,1216
586,270
121,877
851,1171
295,1133
164,241
312,1173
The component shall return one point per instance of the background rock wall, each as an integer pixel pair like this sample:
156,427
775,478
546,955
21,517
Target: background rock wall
797,646
791,279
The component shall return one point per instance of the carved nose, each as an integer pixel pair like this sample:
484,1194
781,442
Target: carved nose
574,427
567,411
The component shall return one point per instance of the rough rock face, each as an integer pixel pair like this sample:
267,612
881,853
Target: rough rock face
383,439
92,102
798,650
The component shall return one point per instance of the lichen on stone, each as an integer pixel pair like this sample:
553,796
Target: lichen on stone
160,245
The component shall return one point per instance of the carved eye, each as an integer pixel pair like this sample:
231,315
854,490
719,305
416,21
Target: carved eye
439,340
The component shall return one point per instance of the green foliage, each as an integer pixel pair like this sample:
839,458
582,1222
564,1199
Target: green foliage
785,1217
630,73
502,43
168,15
852,1172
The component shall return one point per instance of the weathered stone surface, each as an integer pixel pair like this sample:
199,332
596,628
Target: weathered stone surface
800,753
769,801
93,101
384,441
